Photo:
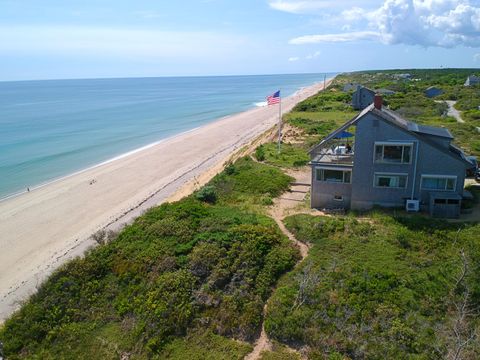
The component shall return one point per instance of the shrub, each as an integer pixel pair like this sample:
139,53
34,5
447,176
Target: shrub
230,169
260,153
207,194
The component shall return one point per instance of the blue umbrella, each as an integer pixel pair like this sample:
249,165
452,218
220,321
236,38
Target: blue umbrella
344,134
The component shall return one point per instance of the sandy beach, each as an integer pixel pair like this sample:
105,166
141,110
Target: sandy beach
45,227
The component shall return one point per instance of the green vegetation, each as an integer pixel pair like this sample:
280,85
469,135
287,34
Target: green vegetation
318,125
331,100
378,287
250,185
207,346
291,155
182,272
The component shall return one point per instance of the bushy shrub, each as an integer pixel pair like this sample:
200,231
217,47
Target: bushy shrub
230,169
260,153
207,194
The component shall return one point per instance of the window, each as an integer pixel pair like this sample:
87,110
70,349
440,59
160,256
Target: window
398,181
438,182
334,175
447,201
393,153
338,198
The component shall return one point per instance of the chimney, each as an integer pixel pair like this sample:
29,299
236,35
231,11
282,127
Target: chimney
378,101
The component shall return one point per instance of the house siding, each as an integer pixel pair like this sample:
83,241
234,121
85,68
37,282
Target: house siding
365,195
362,98
323,193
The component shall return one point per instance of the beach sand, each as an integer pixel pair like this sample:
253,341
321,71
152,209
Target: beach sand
43,228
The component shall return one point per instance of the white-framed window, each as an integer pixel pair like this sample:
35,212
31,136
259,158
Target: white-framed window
439,182
334,175
387,180
393,152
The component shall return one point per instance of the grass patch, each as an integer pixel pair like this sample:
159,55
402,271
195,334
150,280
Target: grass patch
319,123
291,155
206,346
250,185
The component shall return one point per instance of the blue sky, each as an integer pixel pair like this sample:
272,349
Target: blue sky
54,39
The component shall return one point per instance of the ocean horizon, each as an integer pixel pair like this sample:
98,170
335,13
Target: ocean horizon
50,129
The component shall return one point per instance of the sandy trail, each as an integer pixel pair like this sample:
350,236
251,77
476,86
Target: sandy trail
452,111
42,229
283,206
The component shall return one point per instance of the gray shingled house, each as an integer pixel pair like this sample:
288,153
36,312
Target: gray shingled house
472,80
379,158
433,91
362,97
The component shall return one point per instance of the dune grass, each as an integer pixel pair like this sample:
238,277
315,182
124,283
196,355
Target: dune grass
377,287
180,282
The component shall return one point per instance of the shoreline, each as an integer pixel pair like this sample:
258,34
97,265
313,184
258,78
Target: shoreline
53,222
105,162
141,148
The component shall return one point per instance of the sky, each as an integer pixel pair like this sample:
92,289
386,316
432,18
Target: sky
55,39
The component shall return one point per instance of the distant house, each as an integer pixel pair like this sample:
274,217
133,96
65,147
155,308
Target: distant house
349,87
472,80
402,76
362,97
379,158
433,91
385,92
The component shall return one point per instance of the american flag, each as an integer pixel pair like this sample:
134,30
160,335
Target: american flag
274,98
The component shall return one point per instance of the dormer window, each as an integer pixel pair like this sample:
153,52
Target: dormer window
393,153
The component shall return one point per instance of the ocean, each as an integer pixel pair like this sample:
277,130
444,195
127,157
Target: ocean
52,128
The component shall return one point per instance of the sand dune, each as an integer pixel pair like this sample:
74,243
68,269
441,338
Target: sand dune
42,229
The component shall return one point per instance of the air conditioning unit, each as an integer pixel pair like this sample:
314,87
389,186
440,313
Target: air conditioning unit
413,205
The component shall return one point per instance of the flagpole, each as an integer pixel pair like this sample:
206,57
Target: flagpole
279,124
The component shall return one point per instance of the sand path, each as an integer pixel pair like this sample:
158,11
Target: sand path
283,206
42,229
452,111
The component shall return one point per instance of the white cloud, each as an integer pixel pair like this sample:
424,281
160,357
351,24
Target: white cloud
440,23
476,57
443,23
353,14
315,55
293,59
341,37
312,6
298,7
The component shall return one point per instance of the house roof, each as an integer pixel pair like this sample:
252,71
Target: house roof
363,88
472,79
422,132
430,130
385,91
